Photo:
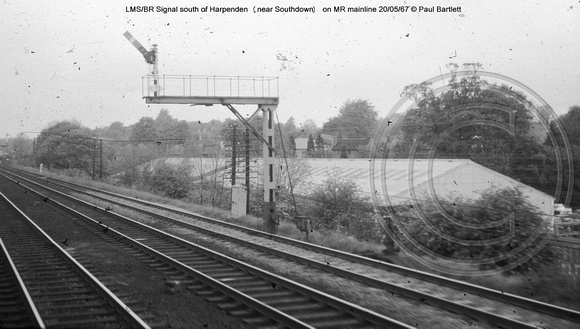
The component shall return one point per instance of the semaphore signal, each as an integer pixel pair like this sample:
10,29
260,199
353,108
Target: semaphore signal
226,91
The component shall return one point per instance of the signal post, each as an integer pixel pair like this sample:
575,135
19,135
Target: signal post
227,91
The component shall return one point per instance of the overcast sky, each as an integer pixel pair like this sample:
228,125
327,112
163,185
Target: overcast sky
69,60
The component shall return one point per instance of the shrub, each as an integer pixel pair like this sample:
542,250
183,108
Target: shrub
494,205
170,180
339,205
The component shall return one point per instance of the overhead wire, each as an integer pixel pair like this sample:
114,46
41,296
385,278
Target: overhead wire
286,161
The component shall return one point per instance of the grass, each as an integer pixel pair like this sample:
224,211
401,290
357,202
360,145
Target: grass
550,285
286,228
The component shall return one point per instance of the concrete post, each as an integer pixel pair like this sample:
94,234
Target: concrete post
270,218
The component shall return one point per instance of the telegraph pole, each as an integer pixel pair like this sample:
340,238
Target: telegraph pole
94,155
234,153
247,140
48,151
101,166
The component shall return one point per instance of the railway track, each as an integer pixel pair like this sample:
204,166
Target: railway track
43,287
18,309
455,307
260,298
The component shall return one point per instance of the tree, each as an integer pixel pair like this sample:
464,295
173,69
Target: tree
308,127
20,145
66,145
171,180
168,127
571,123
515,153
181,132
571,128
289,128
356,118
292,145
319,143
310,145
116,131
493,206
343,153
127,163
289,131
144,129
340,206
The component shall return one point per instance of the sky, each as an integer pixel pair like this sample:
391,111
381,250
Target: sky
65,60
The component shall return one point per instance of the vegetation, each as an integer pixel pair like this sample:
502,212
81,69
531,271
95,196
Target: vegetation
184,161
515,150
356,118
66,145
171,180
493,206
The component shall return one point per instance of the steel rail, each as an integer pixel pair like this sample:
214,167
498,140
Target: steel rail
523,302
113,300
32,310
393,288
355,311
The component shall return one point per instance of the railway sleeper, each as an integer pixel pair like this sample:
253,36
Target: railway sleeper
65,315
218,299
208,293
61,293
325,313
207,268
228,272
230,304
245,313
204,262
269,295
73,306
78,323
55,283
291,300
246,283
289,308
258,320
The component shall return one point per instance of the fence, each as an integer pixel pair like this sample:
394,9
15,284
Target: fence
212,86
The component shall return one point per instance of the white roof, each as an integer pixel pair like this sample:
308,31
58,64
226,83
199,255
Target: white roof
393,171
449,178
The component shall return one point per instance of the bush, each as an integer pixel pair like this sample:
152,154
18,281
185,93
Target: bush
493,206
340,206
170,180
75,172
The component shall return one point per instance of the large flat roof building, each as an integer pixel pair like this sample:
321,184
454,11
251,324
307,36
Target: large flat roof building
438,179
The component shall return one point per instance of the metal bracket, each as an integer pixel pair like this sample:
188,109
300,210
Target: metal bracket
249,126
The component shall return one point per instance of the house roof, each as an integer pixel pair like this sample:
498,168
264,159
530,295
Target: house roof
350,144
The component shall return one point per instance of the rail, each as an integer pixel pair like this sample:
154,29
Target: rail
516,300
208,266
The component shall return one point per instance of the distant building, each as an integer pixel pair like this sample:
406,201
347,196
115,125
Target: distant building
349,144
301,145
445,181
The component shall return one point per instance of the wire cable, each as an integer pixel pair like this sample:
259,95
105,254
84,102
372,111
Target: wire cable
286,161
